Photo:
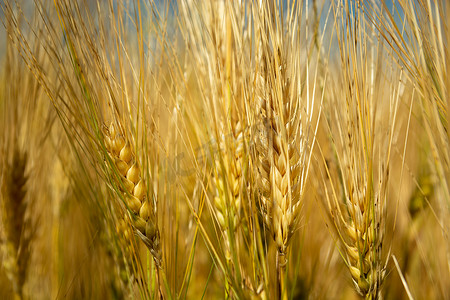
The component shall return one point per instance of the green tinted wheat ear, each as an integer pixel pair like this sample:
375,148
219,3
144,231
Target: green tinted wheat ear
362,117
359,216
363,242
133,189
228,180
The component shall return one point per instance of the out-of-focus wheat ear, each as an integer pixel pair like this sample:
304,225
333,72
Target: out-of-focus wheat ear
17,224
125,251
132,186
228,181
15,198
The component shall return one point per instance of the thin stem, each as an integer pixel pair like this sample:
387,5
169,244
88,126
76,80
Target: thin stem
281,272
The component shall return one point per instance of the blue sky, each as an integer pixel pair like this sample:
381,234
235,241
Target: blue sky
28,5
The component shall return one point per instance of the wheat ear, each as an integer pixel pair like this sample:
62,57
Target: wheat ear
133,189
228,180
364,234
19,237
278,159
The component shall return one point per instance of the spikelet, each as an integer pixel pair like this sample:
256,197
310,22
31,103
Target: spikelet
133,187
278,149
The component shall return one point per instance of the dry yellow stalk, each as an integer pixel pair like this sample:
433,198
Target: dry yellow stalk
133,187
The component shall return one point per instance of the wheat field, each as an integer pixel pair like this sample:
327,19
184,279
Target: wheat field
224,149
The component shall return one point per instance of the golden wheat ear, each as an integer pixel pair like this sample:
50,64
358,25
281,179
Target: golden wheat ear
279,155
278,161
132,188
